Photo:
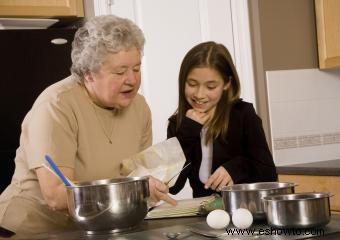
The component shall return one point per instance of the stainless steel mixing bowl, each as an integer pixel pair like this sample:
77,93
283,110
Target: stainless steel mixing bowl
110,205
249,196
299,210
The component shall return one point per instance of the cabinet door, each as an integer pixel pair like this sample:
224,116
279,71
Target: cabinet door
328,32
41,8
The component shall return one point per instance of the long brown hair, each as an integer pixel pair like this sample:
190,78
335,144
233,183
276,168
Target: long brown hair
217,57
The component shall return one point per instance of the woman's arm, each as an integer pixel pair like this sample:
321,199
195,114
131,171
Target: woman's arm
51,130
54,191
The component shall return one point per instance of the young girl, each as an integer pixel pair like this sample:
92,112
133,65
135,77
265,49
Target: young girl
221,135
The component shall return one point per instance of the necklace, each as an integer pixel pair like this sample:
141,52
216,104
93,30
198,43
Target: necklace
108,135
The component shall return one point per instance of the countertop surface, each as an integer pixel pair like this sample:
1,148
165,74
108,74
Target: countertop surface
165,228
322,168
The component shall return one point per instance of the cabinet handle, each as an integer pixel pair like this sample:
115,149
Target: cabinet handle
59,41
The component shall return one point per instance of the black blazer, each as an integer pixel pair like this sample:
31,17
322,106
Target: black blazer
244,153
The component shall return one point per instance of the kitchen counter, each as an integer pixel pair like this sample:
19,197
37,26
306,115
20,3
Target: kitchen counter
157,229
322,168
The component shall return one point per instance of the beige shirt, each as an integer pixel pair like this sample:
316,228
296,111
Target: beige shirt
65,124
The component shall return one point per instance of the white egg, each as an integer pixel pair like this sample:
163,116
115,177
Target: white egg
242,218
218,219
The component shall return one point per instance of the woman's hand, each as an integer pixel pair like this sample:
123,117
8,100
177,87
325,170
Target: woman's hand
52,189
218,179
159,191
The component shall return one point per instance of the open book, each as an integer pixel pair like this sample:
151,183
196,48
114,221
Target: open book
187,207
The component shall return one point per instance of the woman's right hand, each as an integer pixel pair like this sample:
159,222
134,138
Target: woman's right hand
159,191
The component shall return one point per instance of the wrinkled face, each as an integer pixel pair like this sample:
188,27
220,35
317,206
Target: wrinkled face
203,88
117,81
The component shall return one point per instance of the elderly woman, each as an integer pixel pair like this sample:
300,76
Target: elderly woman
88,123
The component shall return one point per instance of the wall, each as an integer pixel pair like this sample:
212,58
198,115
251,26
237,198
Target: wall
296,99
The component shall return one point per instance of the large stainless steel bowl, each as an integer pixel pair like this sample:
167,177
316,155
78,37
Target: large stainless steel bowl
299,210
110,205
249,196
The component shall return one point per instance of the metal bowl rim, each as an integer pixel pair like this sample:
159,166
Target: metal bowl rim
289,184
314,196
107,182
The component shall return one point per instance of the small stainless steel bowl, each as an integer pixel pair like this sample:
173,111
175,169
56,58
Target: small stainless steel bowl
109,205
249,196
299,210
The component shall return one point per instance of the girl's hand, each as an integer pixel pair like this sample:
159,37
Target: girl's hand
219,179
200,117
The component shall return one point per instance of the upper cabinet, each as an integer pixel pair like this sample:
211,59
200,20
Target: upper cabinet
328,32
41,8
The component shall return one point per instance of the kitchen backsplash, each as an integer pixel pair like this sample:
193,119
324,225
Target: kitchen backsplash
306,141
304,110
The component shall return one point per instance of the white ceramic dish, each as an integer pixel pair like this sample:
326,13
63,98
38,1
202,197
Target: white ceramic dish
26,23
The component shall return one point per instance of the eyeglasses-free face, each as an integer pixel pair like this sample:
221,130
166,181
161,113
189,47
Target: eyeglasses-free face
203,88
117,81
